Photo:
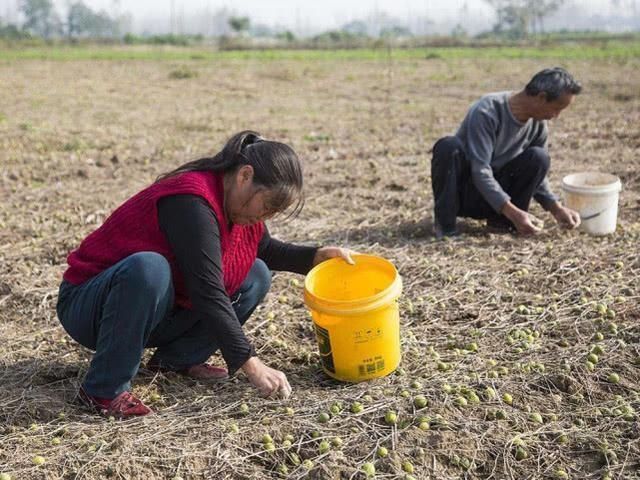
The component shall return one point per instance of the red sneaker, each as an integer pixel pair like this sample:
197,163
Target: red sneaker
202,371
124,405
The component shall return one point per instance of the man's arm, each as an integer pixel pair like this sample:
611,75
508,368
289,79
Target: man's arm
480,139
543,194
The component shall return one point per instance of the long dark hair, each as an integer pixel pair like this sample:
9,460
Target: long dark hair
276,167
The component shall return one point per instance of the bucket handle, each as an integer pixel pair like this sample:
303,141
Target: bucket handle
597,214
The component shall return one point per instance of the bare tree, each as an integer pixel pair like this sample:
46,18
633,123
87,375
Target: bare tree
517,18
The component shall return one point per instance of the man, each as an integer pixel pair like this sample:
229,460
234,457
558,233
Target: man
498,159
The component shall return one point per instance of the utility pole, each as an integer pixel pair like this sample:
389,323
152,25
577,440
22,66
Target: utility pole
172,16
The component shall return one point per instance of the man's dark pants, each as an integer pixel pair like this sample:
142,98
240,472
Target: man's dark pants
455,195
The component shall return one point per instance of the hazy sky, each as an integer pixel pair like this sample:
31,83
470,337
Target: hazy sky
316,13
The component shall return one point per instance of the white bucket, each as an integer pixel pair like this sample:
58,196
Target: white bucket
594,196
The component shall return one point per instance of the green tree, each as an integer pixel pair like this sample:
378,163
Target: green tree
82,20
239,24
40,17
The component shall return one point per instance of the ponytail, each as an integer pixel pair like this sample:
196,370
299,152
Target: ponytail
275,165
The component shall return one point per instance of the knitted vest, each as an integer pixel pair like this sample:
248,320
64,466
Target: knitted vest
133,227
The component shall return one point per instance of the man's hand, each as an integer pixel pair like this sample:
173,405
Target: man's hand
267,380
565,216
525,223
325,253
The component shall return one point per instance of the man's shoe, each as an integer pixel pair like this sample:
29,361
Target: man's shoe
202,371
123,406
440,232
498,225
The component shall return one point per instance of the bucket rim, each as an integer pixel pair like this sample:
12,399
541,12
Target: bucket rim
614,185
352,307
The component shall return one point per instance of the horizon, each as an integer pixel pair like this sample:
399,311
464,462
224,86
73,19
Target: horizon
308,18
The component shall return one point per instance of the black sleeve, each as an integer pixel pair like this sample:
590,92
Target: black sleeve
285,256
191,228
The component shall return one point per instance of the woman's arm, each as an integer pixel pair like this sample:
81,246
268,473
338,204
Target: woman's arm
191,228
282,256
288,257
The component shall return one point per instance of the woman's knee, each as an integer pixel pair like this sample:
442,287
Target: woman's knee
146,271
261,278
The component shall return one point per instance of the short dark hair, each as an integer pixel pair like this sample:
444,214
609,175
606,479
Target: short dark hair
553,82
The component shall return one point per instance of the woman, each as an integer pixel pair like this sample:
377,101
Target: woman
181,266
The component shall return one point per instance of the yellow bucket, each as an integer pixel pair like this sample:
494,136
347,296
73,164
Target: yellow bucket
356,318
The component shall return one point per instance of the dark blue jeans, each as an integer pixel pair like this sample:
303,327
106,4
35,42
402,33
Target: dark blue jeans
129,307
455,195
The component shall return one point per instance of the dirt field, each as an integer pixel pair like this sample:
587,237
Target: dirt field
77,138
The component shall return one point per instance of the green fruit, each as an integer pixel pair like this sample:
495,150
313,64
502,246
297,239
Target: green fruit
315,434
405,393
335,409
38,460
286,444
324,447
446,388
561,474
489,393
461,401
501,414
472,347
473,398
307,464
593,358
5,476
369,469
507,398
598,336
442,366
244,408
323,417
289,411
266,438
295,459
420,401
535,417
563,439
521,453
356,407
613,378
282,469
382,452
407,466
54,441
336,442
391,417
269,447
589,366
597,349
416,384
424,426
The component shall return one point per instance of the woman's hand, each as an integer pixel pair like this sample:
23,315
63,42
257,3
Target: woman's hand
267,380
325,253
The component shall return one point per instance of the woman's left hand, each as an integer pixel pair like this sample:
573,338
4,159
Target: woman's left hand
325,253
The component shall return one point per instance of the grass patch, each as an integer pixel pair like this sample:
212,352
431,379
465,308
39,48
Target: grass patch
182,72
568,51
